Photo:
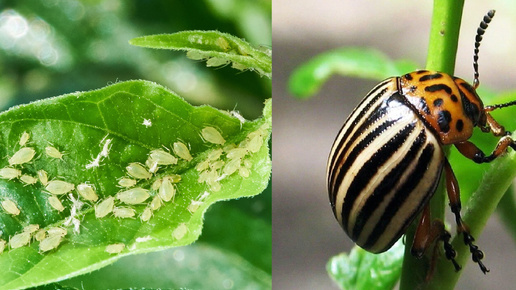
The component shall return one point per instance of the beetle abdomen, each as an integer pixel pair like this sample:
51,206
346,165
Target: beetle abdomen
384,167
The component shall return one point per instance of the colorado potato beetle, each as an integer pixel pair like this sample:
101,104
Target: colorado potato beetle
387,159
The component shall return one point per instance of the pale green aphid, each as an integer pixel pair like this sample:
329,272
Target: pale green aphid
53,152
174,178
57,231
127,182
43,177
239,66
216,61
156,184
133,196
137,171
10,207
27,179
196,55
182,151
59,187
115,248
162,157
255,141
211,135
2,246
123,212
228,147
217,165
105,207
31,228
40,235
146,214
222,43
243,172
166,190
55,203
231,167
9,173
215,154
208,176
194,206
50,243
87,192
22,156
24,139
203,165
152,165
180,231
155,203
236,153
19,240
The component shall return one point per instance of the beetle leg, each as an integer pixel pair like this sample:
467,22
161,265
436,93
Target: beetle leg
472,152
497,129
428,232
452,187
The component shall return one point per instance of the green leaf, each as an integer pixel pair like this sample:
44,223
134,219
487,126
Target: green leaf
225,254
215,47
363,270
132,118
367,63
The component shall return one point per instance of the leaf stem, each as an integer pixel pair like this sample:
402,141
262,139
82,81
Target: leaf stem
442,49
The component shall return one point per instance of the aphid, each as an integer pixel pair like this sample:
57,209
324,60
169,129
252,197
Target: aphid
19,240
115,248
202,165
59,187
137,171
104,207
40,235
27,179
87,192
152,165
211,135
127,182
222,43
156,203
216,61
232,166
180,231
237,114
24,139
133,196
49,243
215,154
51,151
194,206
31,228
124,212
162,157
174,178
196,55
146,215
387,160
55,203
2,246
243,172
156,184
9,173
105,148
10,207
255,141
166,190
236,153
22,156
217,165
57,231
43,177
182,151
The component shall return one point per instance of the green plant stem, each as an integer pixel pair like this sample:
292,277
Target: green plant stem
506,209
442,49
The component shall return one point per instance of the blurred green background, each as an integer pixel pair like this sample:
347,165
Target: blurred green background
54,47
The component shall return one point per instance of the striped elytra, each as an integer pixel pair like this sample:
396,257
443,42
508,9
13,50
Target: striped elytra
388,158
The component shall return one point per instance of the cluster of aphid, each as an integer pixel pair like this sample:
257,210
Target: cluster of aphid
213,61
163,189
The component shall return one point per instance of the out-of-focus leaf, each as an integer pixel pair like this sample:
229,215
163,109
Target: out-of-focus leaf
307,79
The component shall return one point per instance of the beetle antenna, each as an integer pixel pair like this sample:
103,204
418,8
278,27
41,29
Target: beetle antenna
480,31
499,106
